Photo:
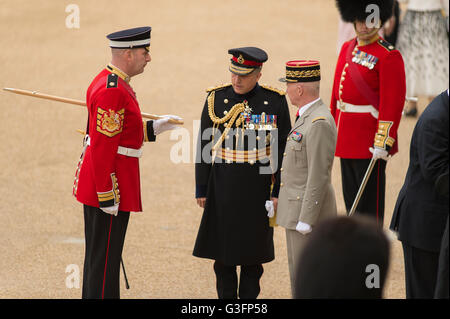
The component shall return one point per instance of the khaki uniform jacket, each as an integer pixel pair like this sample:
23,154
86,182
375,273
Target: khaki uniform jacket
306,193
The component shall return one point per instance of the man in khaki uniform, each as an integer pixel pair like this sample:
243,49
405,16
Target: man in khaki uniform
306,194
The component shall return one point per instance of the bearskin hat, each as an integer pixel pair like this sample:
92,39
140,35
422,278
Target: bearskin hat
355,10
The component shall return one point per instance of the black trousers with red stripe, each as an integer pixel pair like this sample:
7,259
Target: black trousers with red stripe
373,197
104,237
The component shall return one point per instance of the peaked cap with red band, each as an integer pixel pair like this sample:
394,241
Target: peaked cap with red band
246,60
302,71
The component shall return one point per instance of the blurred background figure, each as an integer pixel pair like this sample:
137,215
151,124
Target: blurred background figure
390,28
344,258
423,43
421,211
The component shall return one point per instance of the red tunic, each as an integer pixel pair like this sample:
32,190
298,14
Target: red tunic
382,86
104,177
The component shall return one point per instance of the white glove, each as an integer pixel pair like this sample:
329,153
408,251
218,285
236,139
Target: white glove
269,208
113,210
379,153
163,124
303,228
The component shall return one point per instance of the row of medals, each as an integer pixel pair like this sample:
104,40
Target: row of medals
257,121
365,59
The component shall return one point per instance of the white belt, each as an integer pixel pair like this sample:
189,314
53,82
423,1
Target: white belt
131,152
347,107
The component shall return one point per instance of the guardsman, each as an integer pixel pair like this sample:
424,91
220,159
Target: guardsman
107,179
243,132
306,194
367,102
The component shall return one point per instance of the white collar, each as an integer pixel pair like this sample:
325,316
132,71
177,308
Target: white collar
303,109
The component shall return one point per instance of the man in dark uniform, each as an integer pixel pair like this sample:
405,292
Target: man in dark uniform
421,212
107,179
243,133
366,103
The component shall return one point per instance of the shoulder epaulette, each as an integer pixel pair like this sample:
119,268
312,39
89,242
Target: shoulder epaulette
318,118
112,81
386,45
215,88
267,87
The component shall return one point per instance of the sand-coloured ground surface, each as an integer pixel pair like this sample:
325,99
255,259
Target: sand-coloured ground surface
41,224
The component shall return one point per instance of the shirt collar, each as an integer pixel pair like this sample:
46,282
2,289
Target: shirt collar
303,109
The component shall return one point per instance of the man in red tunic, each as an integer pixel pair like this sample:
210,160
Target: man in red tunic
367,102
107,179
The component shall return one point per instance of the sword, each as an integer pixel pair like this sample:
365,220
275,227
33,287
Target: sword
76,102
362,186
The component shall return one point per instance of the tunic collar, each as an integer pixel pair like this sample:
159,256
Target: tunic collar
113,69
361,43
247,95
303,109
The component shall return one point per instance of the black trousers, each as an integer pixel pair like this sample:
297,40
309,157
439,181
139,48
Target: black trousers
372,200
442,284
104,237
421,268
227,281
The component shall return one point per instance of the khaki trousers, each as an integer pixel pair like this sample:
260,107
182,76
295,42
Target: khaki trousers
295,243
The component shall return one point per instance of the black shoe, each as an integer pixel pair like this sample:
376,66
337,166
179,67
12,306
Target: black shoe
411,112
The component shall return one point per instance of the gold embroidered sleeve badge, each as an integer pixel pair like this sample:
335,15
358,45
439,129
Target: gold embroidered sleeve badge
110,122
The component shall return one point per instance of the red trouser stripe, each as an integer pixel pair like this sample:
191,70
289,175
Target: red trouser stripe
106,260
